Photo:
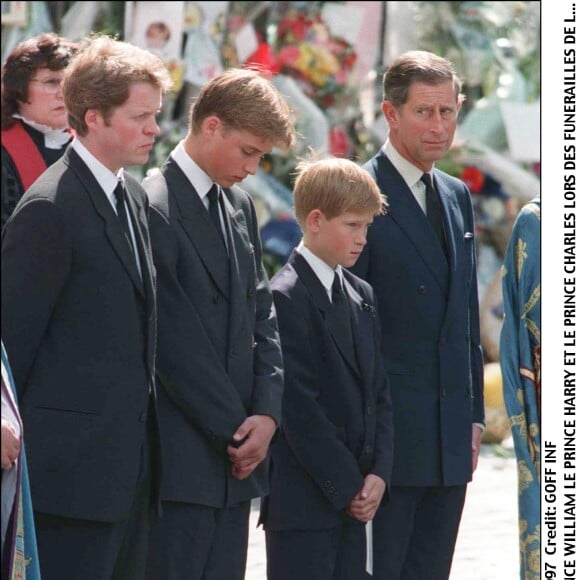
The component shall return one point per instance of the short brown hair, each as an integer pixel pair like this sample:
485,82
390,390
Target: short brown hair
335,186
101,74
244,100
43,51
417,66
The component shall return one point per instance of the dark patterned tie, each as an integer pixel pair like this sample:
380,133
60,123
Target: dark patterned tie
214,210
340,316
121,197
434,209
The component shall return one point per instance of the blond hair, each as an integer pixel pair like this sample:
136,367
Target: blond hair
335,186
101,74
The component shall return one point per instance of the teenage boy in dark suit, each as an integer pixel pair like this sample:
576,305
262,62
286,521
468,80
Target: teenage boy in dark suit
331,465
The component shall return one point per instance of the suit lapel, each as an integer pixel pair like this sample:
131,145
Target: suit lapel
408,215
103,207
454,232
140,229
362,329
197,225
240,251
320,298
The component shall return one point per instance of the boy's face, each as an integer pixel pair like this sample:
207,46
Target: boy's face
229,156
338,240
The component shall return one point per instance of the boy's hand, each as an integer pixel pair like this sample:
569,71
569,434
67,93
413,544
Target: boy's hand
366,502
253,436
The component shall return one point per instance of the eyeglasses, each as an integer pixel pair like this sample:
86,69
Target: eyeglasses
49,85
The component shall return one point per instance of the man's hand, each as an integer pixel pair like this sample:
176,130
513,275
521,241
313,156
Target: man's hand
255,433
476,433
10,445
366,502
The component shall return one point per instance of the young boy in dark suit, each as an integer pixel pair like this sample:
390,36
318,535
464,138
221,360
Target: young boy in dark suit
331,464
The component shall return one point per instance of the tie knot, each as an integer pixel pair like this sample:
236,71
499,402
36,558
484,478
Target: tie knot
426,179
213,193
120,193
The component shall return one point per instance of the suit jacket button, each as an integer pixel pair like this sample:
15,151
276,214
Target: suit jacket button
422,289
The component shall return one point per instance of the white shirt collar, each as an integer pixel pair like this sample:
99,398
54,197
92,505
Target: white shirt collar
200,180
104,176
322,270
53,138
410,173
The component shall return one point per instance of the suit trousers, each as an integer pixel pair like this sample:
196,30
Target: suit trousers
197,542
73,549
415,532
338,553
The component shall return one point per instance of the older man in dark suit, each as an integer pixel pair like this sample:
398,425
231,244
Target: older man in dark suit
420,260
219,359
78,321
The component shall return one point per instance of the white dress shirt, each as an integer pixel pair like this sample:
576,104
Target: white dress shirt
200,180
410,173
322,270
108,182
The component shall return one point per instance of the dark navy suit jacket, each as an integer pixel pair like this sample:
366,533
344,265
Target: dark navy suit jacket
336,420
218,353
79,323
430,323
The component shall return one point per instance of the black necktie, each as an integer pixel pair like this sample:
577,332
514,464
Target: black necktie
214,211
341,318
434,210
121,195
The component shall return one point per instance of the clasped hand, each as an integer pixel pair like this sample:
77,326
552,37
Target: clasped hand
366,502
255,434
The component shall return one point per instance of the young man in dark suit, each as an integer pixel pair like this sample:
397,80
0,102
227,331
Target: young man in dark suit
78,322
219,359
420,260
331,466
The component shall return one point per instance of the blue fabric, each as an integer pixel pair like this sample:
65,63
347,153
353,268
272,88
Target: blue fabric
30,548
520,363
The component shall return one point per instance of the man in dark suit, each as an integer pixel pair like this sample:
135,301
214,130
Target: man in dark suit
420,260
78,322
331,466
219,362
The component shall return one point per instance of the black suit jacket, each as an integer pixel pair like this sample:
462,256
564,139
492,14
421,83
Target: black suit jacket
337,418
430,322
219,358
79,326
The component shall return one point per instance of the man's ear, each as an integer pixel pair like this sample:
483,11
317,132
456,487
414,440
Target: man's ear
93,117
211,124
390,112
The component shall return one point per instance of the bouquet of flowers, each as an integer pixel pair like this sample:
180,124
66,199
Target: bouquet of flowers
320,62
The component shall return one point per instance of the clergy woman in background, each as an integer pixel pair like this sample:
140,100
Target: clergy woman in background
34,119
